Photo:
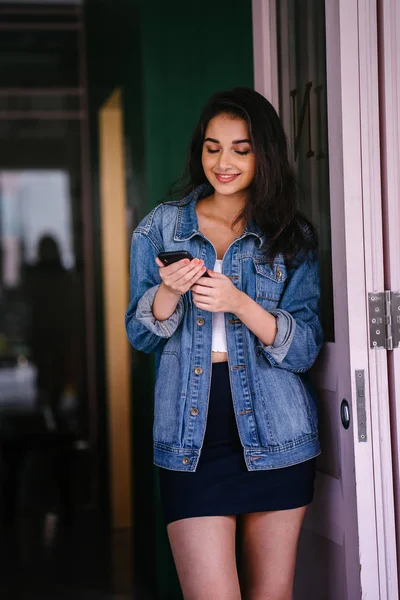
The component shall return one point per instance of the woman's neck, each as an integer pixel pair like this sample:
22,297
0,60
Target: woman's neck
226,207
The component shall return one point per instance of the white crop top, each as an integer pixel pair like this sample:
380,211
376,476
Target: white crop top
218,322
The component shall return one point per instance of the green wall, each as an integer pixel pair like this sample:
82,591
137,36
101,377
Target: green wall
190,50
168,58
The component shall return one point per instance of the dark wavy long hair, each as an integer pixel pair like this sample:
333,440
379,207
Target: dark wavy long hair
273,196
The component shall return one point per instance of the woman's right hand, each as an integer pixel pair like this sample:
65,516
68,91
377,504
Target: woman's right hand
179,277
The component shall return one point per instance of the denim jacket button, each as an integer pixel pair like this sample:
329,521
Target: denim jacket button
186,460
198,370
194,412
200,321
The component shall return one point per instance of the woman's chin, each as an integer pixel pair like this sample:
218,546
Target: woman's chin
227,189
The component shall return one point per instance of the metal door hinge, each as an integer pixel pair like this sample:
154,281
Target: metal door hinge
384,320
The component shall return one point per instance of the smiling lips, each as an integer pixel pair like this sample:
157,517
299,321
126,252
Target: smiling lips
226,178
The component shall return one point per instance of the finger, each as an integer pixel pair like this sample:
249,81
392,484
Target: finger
195,277
204,306
203,298
176,266
200,274
202,290
215,275
195,263
207,282
195,272
182,270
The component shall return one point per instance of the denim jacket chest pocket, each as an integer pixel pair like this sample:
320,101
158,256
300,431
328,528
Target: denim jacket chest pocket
270,282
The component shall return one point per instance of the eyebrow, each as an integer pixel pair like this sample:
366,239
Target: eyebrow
245,141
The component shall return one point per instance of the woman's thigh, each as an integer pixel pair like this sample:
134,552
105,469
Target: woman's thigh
204,555
268,550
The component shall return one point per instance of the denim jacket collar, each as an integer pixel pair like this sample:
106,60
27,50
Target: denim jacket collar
186,222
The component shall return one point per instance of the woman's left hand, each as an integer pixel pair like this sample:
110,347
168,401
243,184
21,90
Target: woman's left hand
216,293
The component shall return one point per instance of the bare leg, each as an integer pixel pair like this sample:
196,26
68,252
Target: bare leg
269,547
204,554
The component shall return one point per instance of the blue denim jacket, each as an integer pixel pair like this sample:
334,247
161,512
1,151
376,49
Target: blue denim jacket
274,404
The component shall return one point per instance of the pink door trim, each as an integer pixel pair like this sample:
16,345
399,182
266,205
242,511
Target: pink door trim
265,51
357,269
374,282
389,13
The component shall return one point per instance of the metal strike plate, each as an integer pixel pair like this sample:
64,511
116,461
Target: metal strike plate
377,326
361,412
396,319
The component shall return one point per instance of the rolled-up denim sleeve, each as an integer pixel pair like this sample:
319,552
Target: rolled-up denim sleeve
144,331
144,314
286,326
299,335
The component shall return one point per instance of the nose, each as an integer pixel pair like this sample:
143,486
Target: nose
224,160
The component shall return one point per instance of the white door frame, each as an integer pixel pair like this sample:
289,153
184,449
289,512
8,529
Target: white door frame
265,50
390,136
356,185
374,279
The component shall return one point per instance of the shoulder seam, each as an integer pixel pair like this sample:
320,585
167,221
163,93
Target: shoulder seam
150,219
147,235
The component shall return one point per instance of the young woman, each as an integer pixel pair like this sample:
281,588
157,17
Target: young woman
235,427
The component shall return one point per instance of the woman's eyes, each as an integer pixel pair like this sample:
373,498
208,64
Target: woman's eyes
242,153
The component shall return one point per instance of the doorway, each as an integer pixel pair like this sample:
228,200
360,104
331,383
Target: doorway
322,76
116,296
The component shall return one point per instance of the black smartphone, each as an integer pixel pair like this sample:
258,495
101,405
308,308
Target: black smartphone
167,258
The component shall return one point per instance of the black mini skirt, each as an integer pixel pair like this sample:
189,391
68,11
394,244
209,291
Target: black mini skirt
222,485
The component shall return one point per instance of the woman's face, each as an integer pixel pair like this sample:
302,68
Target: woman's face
228,158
